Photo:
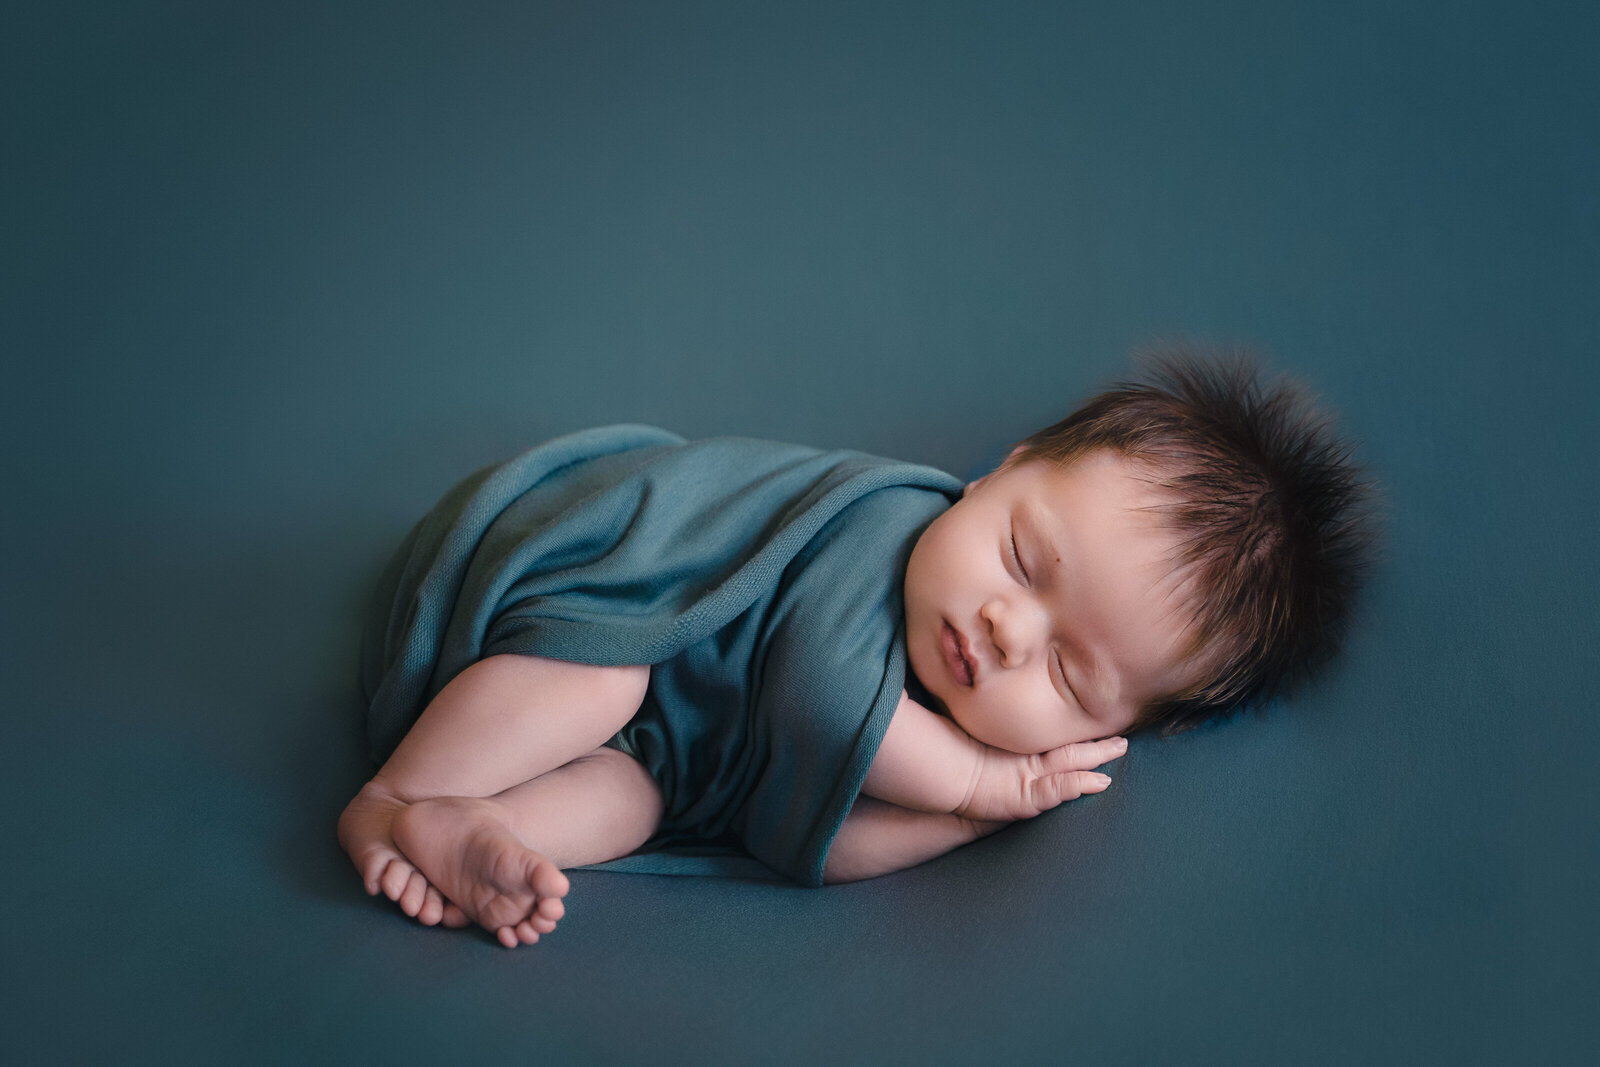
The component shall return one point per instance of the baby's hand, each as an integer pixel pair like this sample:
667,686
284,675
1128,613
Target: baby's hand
1008,786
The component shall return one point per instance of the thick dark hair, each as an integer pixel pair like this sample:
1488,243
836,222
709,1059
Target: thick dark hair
1278,526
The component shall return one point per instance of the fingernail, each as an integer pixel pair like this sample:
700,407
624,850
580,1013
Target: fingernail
1103,779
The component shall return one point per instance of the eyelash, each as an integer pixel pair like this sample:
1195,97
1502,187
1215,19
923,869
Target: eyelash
1017,558
1055,657
1061,668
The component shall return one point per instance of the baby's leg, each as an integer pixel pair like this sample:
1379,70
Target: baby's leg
499,858
507,719
497,724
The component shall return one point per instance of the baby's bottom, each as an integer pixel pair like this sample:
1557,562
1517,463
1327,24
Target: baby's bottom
503,781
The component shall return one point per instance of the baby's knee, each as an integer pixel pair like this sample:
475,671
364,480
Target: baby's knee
629,788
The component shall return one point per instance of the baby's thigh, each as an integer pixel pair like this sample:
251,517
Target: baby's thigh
580,702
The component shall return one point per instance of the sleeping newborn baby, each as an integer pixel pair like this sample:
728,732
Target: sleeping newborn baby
621,640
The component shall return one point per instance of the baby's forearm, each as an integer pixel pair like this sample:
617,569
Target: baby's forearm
879,838
925,762
929,764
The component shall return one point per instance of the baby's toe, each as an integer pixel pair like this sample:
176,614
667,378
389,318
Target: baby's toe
372,868
454,917
548,881
541,924
551,908
396,876
432,908
415,894
526,933
507,936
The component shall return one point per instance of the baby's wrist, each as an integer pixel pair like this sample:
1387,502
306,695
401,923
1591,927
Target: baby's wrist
976,828
979,754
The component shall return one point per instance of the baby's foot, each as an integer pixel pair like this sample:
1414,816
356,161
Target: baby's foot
367,834
465,847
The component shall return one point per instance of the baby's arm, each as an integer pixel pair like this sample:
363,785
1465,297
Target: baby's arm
933,788
878,838
929,764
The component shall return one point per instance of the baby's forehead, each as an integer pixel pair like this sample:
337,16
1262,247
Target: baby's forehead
1116,486
1134,497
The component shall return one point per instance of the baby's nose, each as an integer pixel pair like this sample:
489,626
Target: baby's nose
1015,630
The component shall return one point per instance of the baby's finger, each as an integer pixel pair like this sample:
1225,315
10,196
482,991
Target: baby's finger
1046,793
1084,755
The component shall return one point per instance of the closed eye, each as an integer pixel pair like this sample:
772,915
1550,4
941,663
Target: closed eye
1061,669
1016,557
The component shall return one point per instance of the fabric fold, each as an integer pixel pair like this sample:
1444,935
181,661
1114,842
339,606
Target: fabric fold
762,582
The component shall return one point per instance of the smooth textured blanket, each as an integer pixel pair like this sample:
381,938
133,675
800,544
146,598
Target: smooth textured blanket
762,581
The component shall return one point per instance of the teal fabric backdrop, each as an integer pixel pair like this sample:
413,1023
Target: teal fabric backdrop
273,276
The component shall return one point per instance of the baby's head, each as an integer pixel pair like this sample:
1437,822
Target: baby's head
1173,550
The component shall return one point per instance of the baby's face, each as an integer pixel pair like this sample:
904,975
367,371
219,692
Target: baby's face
1042,608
